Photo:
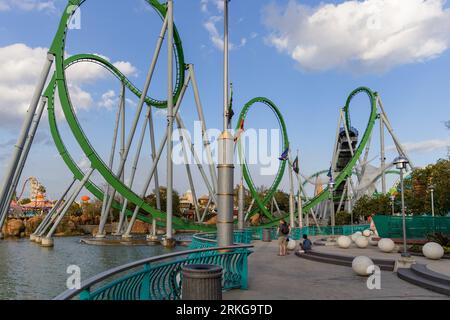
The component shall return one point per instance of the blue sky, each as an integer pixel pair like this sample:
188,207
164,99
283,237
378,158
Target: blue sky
307,68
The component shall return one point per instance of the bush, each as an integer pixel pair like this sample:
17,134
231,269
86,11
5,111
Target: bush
440,238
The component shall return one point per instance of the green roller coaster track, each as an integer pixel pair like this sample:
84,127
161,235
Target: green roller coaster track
346,172
261,203
59,82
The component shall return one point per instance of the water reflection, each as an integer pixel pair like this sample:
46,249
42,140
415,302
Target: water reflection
30,272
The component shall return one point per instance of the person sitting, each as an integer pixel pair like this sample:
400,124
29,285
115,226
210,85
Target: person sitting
306,246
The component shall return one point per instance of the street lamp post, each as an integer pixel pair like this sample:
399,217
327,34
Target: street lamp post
431,188
225,192
401,163
393,204
331,185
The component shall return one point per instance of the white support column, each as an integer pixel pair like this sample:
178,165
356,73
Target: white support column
48,241
201,116
291,193
382,156
226,157
170,121
136,119
18,148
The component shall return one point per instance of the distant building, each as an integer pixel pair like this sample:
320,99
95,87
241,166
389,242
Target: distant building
204,200
186,201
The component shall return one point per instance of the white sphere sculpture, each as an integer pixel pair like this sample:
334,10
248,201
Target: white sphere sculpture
386,245
361,265
356,235
433,251
292,244
367,233
372,241
344,242
362,242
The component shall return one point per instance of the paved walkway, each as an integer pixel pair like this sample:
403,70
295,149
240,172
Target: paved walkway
292,278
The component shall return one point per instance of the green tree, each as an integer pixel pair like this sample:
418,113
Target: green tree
417,192
151,200
343,218
282,199
370,205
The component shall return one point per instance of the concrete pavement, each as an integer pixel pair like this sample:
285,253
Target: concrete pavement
290,278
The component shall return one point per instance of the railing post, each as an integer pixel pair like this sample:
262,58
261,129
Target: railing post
144,293
244,275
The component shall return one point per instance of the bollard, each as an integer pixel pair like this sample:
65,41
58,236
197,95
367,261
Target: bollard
267,236
202,282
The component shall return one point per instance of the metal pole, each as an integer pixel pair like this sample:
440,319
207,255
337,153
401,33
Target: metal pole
201,116
405,252
23,157
197,159
391,131
291,196
300,204
156,161
189,173
111,155
249,209
53,210
18,148
241,201
432,202
333,218
170,118
226,155
136,118
47,240
157,191
134,168
383,157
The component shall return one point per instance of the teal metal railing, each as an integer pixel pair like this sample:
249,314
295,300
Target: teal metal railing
209,240
160,278
298,233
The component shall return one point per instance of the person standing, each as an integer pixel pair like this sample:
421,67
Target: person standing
283,232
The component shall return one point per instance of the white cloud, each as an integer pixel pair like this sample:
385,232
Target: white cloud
108,100
369,36
424,146
204,4
216,38
27,5
21,66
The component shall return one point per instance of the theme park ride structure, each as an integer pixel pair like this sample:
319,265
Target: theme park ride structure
349,158
185,76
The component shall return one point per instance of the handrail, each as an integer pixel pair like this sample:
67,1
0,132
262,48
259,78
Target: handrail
69,294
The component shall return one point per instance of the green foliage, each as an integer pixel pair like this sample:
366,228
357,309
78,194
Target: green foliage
417,193
282,199
377,204
440,238
25,201
343,218
74,210
151,200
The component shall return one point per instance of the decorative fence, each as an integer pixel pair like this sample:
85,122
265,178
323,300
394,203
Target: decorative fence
160,278
209,240
298,233
417,227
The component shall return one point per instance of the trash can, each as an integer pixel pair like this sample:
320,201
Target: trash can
201,282
267,235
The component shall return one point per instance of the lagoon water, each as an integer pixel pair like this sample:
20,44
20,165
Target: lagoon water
30,272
